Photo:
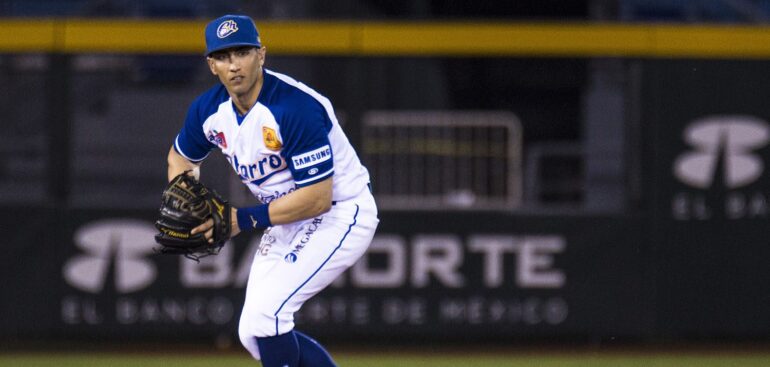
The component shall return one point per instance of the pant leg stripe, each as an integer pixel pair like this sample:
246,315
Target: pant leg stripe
355,216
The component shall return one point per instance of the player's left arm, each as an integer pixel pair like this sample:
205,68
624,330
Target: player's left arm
304,203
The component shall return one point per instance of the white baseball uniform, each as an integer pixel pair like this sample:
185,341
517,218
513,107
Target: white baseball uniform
289,139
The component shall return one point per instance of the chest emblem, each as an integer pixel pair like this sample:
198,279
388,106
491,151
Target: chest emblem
270,138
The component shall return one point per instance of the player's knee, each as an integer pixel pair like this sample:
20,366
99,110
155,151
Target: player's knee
255,325
250,343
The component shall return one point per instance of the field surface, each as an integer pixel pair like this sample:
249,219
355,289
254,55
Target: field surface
524,359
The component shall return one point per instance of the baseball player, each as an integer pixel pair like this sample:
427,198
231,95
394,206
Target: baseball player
283,140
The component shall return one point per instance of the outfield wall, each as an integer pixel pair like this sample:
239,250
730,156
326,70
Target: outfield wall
494,276
688,263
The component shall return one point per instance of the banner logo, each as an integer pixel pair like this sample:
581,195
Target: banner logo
112,247
733,140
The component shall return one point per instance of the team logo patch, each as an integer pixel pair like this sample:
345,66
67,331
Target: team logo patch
270,137
227,28
218,138
312,157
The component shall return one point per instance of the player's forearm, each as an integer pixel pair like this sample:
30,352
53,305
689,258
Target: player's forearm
178,164
306,202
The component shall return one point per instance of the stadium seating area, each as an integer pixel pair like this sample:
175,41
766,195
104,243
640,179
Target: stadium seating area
627,10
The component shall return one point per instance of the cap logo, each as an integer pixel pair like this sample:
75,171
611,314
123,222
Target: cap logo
227,28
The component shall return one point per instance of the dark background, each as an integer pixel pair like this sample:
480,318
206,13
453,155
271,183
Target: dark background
86,136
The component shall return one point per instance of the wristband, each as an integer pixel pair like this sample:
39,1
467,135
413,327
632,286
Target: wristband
255,217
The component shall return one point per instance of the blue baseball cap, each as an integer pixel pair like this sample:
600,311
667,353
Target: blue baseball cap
231,31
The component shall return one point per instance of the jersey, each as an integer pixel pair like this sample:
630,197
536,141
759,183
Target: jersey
289,139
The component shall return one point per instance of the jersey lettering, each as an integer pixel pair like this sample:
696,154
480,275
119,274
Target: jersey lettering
275,195
257,171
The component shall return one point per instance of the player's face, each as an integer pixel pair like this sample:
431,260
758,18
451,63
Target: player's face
238,69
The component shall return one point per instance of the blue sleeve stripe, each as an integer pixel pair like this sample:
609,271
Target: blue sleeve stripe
316,178
179,150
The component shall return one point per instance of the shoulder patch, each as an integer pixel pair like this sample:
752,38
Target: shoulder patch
270,137
217,138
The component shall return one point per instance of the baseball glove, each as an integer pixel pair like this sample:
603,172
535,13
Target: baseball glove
187,203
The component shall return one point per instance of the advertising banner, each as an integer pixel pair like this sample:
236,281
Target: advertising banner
437,275
708,155
29,268
477,276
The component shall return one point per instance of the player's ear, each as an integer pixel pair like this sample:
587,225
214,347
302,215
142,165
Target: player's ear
210,62
261,55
